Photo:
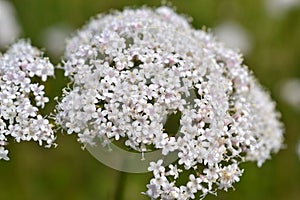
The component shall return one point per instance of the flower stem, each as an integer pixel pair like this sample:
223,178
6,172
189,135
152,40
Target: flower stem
120,186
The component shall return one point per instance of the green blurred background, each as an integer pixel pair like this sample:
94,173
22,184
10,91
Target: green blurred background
68,172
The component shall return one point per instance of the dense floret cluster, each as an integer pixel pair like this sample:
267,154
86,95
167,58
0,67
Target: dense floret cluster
132,69
22,97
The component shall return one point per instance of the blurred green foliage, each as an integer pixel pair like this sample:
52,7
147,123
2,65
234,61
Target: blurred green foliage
68,172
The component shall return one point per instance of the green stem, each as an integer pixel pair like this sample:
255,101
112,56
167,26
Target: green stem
120,186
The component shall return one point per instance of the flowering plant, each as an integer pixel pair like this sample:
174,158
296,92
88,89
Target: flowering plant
22,97
130,70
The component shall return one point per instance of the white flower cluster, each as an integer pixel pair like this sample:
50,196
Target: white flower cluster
21,97
131,69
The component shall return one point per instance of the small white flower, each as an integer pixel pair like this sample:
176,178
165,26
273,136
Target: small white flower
157,168
194,184
174,171
229,175
3,153
153,190
211,174
162,181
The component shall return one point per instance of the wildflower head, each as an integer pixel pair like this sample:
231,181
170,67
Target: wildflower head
131,69
22,95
